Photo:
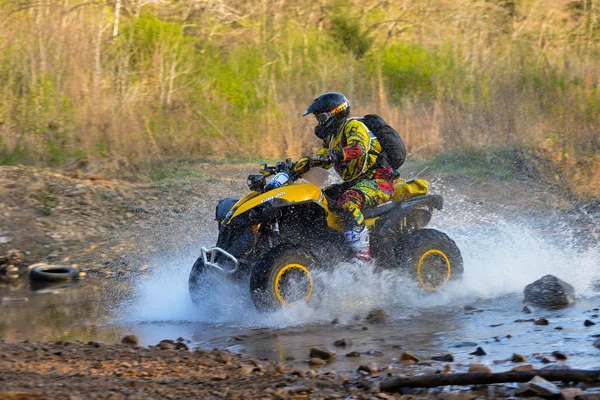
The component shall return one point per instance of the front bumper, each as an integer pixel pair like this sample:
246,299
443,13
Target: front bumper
209,256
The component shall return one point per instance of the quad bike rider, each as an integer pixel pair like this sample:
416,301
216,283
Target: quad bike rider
358,157
277,237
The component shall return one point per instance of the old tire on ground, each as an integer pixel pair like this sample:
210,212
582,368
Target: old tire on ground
282,276
53,273
431,258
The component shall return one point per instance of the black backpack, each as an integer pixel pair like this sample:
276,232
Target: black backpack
393,151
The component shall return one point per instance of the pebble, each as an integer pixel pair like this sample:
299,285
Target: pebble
597,343
316,361
408,357
369,369
570,393
524,367
541,321
526,310
517,358
589,394
587,322
377,316
559,356
474,367
321,353
445,357
538,387
343,342
353,354
130,339
478,352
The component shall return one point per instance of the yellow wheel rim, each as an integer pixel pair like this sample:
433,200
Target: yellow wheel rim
285,269
419,266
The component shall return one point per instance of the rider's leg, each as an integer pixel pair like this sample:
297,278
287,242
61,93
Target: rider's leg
357,234
366,193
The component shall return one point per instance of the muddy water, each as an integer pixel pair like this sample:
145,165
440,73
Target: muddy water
502,254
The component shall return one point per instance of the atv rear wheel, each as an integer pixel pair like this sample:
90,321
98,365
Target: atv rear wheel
284,275
431,258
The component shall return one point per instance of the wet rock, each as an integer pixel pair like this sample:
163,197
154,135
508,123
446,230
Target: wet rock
181,346
321,353
465,344
376,316
597,343
538,387
524,367
541,321
130,339
587,322
316,361
526,310
469,307
353,354
445,357
550,292
374,353
5,239
570,393
546,360
517,358
369,369
559,356
166,344
474,367
478,352
524,320
589,394
342,342
408,357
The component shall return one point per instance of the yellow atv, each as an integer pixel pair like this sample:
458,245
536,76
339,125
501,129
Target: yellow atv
282,231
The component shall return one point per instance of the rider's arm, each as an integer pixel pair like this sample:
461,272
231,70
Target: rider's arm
322,159
357,140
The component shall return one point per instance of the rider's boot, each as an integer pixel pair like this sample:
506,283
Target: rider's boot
358,240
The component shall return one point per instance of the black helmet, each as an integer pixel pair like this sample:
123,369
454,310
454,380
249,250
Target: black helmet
331,110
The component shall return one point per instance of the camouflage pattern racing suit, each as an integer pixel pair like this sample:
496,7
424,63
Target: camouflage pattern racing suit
359,149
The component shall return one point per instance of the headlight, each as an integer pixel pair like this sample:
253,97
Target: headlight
256,182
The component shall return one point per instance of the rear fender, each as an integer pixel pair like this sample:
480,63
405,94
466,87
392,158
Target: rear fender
412,214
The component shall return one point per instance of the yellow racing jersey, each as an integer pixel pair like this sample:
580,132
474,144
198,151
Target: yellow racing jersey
359,146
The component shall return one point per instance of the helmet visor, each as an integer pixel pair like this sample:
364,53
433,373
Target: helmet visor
323,117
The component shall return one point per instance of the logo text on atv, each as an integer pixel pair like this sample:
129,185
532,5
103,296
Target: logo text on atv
272,197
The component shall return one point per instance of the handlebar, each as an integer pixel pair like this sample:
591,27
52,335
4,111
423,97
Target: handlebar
286,166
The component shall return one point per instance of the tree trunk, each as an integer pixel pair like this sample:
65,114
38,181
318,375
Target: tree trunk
478,378
117,15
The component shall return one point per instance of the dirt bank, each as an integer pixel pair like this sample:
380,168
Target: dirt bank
73,370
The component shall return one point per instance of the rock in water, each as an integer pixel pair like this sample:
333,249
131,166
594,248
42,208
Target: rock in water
538,387
130,339
321,353
550,292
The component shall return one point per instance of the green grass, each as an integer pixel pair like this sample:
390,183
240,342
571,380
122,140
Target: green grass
174,176
498,163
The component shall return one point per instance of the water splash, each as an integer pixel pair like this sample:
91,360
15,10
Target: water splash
502,254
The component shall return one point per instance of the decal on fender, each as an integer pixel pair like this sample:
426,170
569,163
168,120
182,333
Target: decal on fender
272,197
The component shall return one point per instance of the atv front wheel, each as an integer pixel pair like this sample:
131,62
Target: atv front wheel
198,282
431,258
282,276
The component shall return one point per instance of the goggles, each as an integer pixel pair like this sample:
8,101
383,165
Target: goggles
324,117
